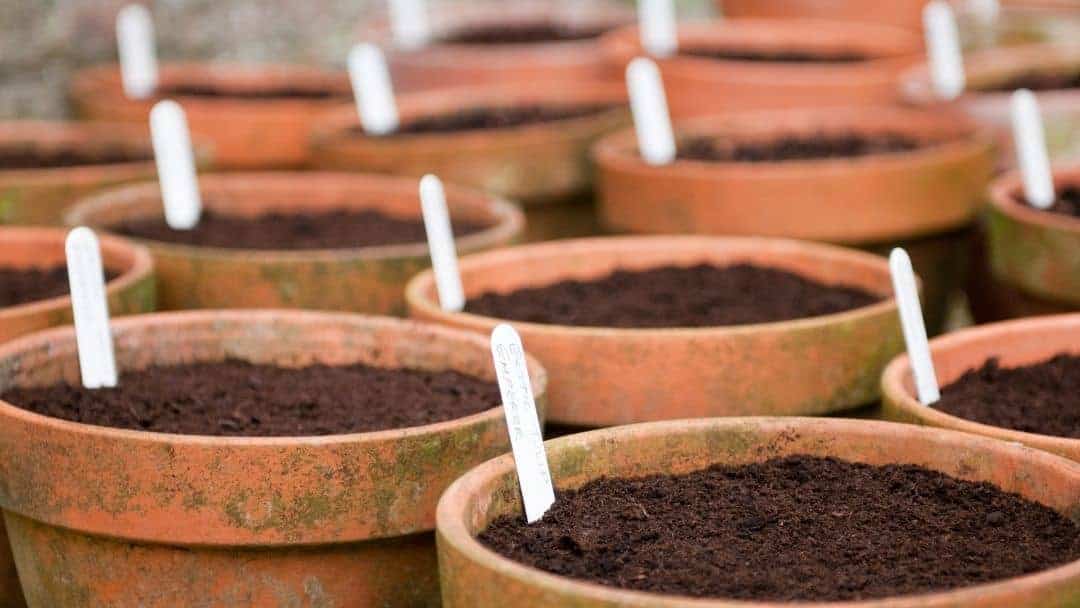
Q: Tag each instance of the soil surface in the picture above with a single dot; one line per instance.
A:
(1043, 398)
(796, 147)
(239, 399)
(1067, 203)
(254, 94)
(486, 118)
(1038, 81)
(524, 33)
(339, 229)
(672, 296)
(780, 56)
(25, 285)
(792, 529)
(36, 156)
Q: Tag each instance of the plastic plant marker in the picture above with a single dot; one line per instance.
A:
(911, 320)
(440, 238)
(175, 165)
(1031, 150)
(373, 90)
(526, 440)
(658, 26)
(943, 48)
(409, 23)
(138, 57)
(986, 11)
(86, 277)
(648, 103)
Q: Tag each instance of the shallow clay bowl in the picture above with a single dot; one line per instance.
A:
(362, 279)
(604, 376)
(473, 575)
(1015, 343)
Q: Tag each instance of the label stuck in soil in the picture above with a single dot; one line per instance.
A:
(176, 165)
(440, 236)
(137, 51)
(906, 290)
(652, 120)
(90, 309)
(659, 27)
(1031, 150)
(943, 50)
(373, 90)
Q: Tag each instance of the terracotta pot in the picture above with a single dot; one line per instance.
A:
(607, 376)
(1015, 343)
(473, 575)
(39, 196)
(914, 198)
(901, 13)
(560, 64)
(365, 279)
(246, 133)
(131, 292)
(106, 517)
(699, 86)
(1060, 108)
(533, 164)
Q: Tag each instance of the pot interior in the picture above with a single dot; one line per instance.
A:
(34, 146)
(44, 248)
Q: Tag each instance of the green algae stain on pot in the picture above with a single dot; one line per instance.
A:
(9, 202)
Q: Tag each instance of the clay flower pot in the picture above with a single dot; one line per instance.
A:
(39, 195)
(1015, 343)
(991, 68)
(532, 164)
(131, 292)
(921, 199)
(473, 575)
(902, 13)
(608, 376)
(100, 516)
(365, 279)
(246, 131)
(699, 86)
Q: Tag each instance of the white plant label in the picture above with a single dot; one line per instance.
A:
(986, 11)
(658, 26)
(86, 277)
(648, 103)
(943, 48)
(526, 440)
(911, 320)
(175, 165)
(440, 238)
(1030, 140)
(138, 56)
(373, 90)
(409, 23)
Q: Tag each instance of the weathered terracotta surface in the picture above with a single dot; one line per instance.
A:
(39, 196)
(1015, 343)
(1060, 109)
(108, 517)
(243, 133)
(699, 86)
(132, 292)
(606, 376)
(532, 164)
(369, 279)
(472, 575)
(902, 13)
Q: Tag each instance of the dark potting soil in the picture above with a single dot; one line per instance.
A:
(672, 296)
(796, 147)
(331, 230)
(782, 56)
(793, 529)
(254, 94)
(524, 33)
(1043, 398)
(24, 285)
(1038, 81)
(240, 399)
(1067, 203)
(35, 156)
(484, 118)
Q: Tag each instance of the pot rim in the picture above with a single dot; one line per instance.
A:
(509, 220)
(176, 320)
(419, 289)
(452, 530)
(1004, 193)
(894, 383)
(13, 131)
(142, 265)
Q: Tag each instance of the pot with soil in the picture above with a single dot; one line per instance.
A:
(1015, 381)
(34, 280)
(328, 241)
(245, 458)
(900, 13)
(1051, 71)
(650, 328)
(769, 512)
(754, 64)
(45, 166)
(873, 178)
(1019, 22)
(254, 117)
